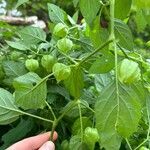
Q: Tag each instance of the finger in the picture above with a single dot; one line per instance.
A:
(32, 143)
(48, 146)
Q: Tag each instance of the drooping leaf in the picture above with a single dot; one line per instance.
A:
(30, 91)
(124, 35)
(56, 14)
(21, 130)
(19, 45)
(122, 8)
(20, 2)
(14, 69)
(32, 35)
(89, 9)
(74, 82)
(103, 64)
(114, 112)
(8, 110)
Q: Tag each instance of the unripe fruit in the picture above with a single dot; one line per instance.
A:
(143, 148)
(15, 55)
(32, 64)
(91, 134)
(65, 145)
(60, 30)
(47, 62)
(129, 72)
(64, 45)
(61, 71)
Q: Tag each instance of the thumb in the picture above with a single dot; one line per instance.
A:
(49, 145)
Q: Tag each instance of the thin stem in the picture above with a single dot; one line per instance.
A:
(94, 52)
(81, 122)
(148, 115)
(71, 59)
(51, 110)
(87, 107)
(112, 36)
(128, 144)
(141, 144)
(28, 114)
(37, 117)
(78, 40)
(44, 79)
(55, 123)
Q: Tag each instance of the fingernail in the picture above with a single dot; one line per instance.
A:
(49, 146)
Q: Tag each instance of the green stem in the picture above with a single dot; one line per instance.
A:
(112, 36)
(55, 122)
(81, 122)
(78, 40)
(128, 144)
(28, 114)
(37, 117)
(94, 52)
(51, 110)
(141, 144)
(71, 59)
(44, 79)
(87, 107)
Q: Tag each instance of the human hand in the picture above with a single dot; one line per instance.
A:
(39, 142)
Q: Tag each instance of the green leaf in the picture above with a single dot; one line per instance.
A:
(17, 45)
(141, 4)
(122, 8)
(102, 80)
(122, 116)
(103, 64)
(142, 20)
(98, 35)
(32, 35)
(89, 9)
(14, 69)
(21, 130)
(30, 91)
(8, 110)
(56, 14)
(76, 144)
(20, 2)
(124, 35)
(75, 83)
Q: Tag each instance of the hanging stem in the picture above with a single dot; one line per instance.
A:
(114, 46)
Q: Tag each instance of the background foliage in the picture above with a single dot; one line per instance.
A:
(77, 91)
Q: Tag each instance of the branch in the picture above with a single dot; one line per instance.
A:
(32, 20)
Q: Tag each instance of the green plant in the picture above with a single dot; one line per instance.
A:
(97, 93)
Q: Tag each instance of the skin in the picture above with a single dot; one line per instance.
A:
(39, 142)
